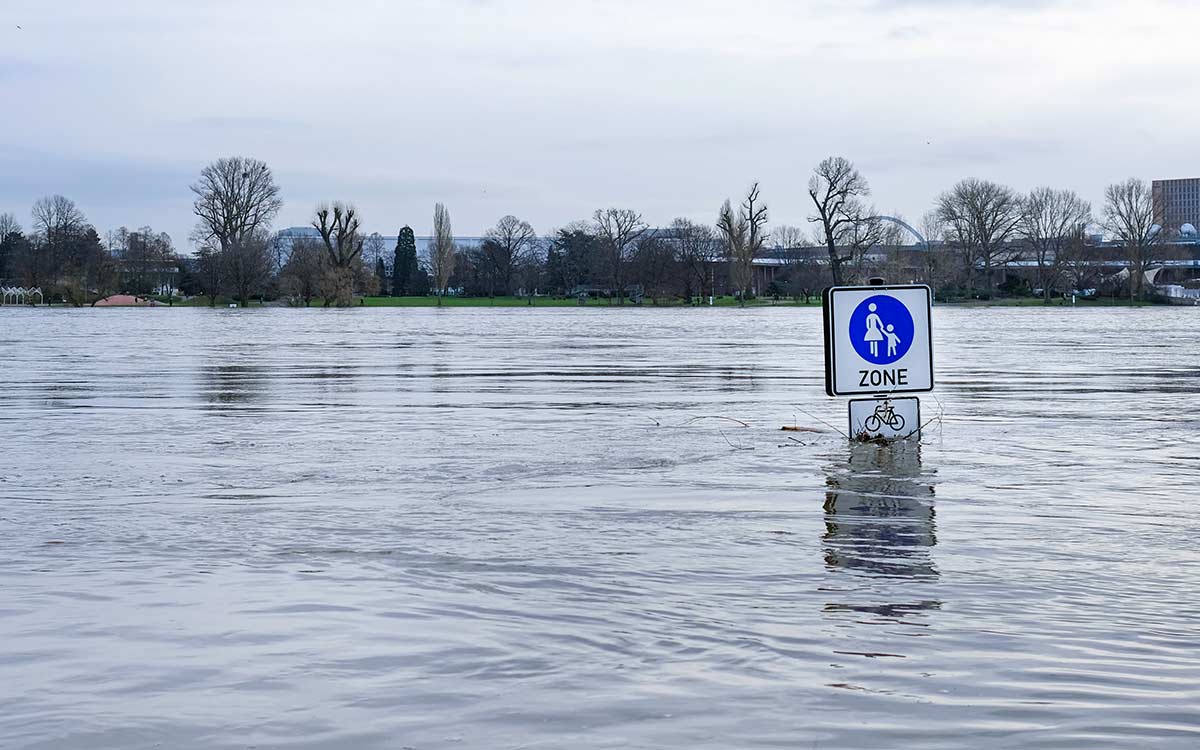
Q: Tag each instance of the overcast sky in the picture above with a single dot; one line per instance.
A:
(551, 109)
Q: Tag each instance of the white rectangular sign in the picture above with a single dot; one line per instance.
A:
(886, 418)
(878, 340)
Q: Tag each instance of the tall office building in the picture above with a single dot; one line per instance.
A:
(1176, 203)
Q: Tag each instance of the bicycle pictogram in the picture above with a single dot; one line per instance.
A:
(884, 415)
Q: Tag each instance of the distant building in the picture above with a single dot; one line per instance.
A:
(1177, 205)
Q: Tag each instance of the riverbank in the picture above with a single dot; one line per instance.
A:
(567, 302)
(505, 302)
(1036, 302)
(516, 302)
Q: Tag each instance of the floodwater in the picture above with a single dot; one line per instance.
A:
(517, 528)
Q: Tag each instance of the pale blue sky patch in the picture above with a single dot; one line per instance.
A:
(550, 109)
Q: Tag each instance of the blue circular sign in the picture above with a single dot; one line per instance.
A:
(881, 329)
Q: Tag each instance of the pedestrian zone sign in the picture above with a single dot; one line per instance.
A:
(878, 340)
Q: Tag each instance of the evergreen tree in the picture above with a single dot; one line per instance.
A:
(9, 242)
(16, 252)
(405, 268)
(381, 274)
(84, 267)
(570, 259)
(421, 283)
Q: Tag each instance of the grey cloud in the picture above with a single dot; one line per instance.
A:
(972, 4)
(551, 109)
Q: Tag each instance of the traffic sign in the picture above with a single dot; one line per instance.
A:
(878, 340)
(886, 418)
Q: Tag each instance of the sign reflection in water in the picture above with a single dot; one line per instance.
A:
(880, 524)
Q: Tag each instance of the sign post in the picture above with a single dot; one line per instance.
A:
(879, 342)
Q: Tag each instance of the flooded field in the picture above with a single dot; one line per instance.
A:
(415, 528)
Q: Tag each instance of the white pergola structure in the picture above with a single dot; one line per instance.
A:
(19, 295)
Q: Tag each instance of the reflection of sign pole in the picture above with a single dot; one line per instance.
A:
(879, 342)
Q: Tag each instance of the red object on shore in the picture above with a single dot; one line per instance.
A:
(126, 300)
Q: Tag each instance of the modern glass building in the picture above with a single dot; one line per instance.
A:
(1177, 205)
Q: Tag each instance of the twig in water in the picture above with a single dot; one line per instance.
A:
(822, 421)
(937, 418)
(728, 419)
(736, 447)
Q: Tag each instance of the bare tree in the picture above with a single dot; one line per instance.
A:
(698, 251)
(932, 227)
(338, 226)
(508, 248)
(981, 218)
(1078, 262)
(303, 276)
(84, 268)
(1129, 218)
(744, 238)
(735, 231)
(787, 237)
(806, 276)
(1051, 220)
(937, 266)
(58, 232)
(442, 250)
(800, 269)
(859, 239)
(618, 230)
(8, 225)
(57, 218)
(209, 272)
(655, 264)
(236, 198)
(146, 258)
(845, 224)
(533, 266)
(374, 248)
(374, 254)
(58, 221)
(754, 212)
(246, 266)
(168, 266)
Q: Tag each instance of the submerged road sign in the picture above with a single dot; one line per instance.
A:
(878, 339)
(886, 418)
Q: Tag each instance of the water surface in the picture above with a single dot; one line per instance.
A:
(508, 529)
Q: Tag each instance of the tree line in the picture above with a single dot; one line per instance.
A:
(974, 230)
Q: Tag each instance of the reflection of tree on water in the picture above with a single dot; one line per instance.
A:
(879, 523)
(233, 385)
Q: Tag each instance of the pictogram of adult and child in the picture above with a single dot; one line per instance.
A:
(877, 332)
(881, 329)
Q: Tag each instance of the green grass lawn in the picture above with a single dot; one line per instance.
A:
(467, 302)
(1038, 302)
